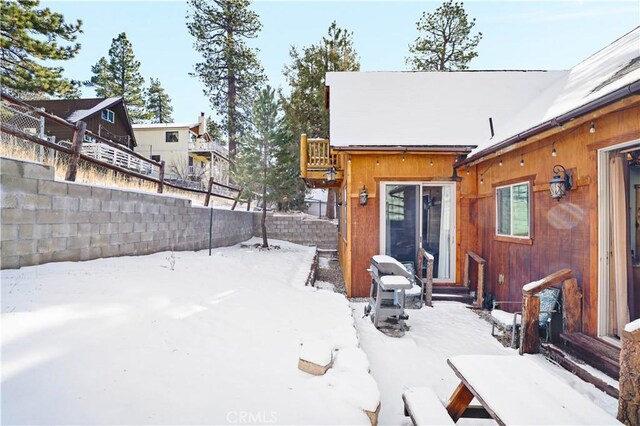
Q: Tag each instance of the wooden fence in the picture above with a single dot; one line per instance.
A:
(103, 152)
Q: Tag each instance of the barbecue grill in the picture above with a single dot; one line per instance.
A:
(389, 280)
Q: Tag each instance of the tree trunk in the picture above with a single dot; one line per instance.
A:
(265, 243)
(331, 203)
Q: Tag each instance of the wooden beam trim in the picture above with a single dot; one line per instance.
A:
(548, 281)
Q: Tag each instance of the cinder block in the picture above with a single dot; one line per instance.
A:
(108, 228)
(117, 217)
(89, 204)
(99, 217)
(51, 245)
(18, 185)
(110, 251)
(64, 230)
(37, 171)
(69, 204)
(90, 253)
(8, 232)
(18, 247)
(100, 193)
(47, 187)
(9, 262)
(17, 216)
(10, 167)
(99, 240)
(66, 256)
(8, 201)
(34, 201)
(78, 242)
(124, 228)
(25, 232)
(80, 191)
(88, 229)
(110, 206)
(139, 227)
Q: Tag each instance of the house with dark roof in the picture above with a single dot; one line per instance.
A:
(107, 117)
(533, 171)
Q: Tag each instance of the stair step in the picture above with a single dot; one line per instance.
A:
(446, 297)
(595, 352)
(450, 289)
(559, 355)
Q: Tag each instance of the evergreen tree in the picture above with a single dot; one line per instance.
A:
(28, 36)
(119, 75)
(158, 103)
(213, 128)
(230, 69)
(258, 152)
(305, 106)
(445, 43)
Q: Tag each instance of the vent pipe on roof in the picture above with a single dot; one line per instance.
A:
(491, 126)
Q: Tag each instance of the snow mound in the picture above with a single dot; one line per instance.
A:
(356, 388)
(351, 359)
(316, 351)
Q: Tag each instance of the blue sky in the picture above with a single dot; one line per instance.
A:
(516, 35)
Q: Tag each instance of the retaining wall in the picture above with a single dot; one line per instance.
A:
(44, 220)
(299, 229)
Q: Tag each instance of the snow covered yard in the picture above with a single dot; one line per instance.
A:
(419, 358)
(209, 340)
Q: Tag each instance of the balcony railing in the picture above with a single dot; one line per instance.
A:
(208, 146)
(316, 158)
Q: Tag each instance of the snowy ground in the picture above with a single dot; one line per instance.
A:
(216, 340)
(419, 358)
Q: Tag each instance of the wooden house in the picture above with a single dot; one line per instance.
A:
(462, 161)
(107, 117)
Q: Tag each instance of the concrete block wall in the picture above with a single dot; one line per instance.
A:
(298, 229)
(44, 220)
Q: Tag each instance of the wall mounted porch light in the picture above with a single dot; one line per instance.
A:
(331, 174)
(559, 186)
(364, 197)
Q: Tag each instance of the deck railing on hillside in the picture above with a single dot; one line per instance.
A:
(101, 152)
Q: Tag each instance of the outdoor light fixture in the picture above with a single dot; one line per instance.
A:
(592, 127)
(553, 151)
(430, 162)
(467, 170)
(377, 162)
(481, 179)
(559, 186)
(331, 174)
(500, 163)
(363, 196)
(521, 160)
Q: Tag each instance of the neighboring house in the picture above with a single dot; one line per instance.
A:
(106, 117)
(186, 148)
(463, 161)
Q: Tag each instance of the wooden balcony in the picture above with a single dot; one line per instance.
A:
(316, 159)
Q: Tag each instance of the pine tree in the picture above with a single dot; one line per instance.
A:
(305, 106)
(28, 36)
(445, 43)
(230, 70)
(257, 159)
(158, 103)
(120, 76)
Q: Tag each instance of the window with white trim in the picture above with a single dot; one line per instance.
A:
(513, 210)
(108, 115)
(171, 137)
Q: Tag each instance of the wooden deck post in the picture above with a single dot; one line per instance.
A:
(303, 155)
(529, 337)
(78, 138)
(427, 281)
(208, 196)
(629, 400)
(235, 202)
(465, 275)
(161, 177)
(479, 293)
(572, 306)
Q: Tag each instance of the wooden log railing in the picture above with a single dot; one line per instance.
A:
(427, 281)
(480, 262)
(629, 400)
(316, 154)
(529, 337)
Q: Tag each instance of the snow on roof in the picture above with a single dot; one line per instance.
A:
(606, 71)
(147, 126)
(427, 108)
(453, 108)
(83, 113)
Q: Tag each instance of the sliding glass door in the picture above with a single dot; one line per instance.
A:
(418, 214)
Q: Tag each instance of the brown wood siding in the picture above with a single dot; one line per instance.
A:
(364, 221)
(565, 233)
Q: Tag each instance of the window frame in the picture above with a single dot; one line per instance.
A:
(166, 134)
(510, 236)
(106, 113)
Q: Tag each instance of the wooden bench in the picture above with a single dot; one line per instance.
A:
(424, 407)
